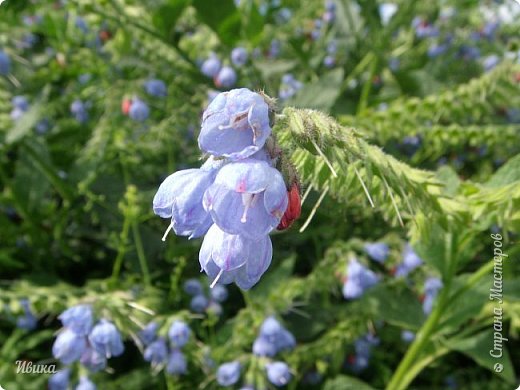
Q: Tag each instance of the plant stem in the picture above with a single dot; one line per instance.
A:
(143, 263)
(365, 92)
(121, 250)
(406, 371)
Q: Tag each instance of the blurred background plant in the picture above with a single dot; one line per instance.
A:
(101, 100)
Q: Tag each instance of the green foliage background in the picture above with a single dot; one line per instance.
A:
(77, 225)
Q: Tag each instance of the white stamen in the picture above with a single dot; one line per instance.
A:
(170, 226)
(248, 200)
(216, 279)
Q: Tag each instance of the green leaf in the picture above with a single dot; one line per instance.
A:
(254, 24)
(165, 17)
(507, 174)
(321, 94)
(477, 347)
(433, 250)
(25, 124)
(269, 69)
(449, 178)
(222, 17)
(397, 305)
(343, 382)
(468, 305)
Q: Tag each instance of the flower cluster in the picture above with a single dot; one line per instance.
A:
(28, 321)
(156, 349)
(156, 88)
(289, 86)
(224, 76)
(330, 59)
(20, 107)
(79, 111)
(236, 198)
(410, 262)
(363, 347)
(432, 286)
(377, 251)
(358, 279)
(329, 16)
(80, 341)
(199, 302)
(272, 339)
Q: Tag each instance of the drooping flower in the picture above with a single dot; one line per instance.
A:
(263, 347)
(378, 251)
(85, 384)
(228, 373)
(177, 364)
(106, 339)
(79, 111)
(149, 333)
(407, 336)
(278, 373)
(410, 262)
(226, 258)
(192, 287)
(156, 353)
(247, 198)
(199, 303)
(432, 286)
(28, 321)
(359, 278)
(211, 66)
(69, 346)
(77, 318)
(59, 380)
(155, 88)
(93, 360)
(179, 197)
(139, 110)
(20, 107)
(219, 293)
(239, 56)
(235, 124)
(179, 334)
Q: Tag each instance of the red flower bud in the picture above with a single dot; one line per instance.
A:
(125, 105)
(105, 35)
(294, 208)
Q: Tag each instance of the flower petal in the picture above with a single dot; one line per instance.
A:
(235, 124)
(228, 210)
(275, 198)
(249, 175)
(230, 251)
(168, 190)
(259, 261)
